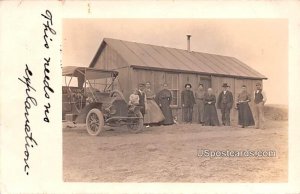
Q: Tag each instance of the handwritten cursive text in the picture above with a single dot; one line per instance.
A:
(48, 27)
(30, 142)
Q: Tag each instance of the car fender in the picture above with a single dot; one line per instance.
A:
(83, 113)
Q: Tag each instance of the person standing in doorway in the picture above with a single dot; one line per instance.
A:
(245, 116)
(164, 99)
(260, 99)
(187, 102)
(225, 102)
(199, 97)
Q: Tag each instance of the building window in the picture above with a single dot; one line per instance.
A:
(174, 97)
(172, 81)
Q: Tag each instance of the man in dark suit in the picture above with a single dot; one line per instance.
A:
(225, 102)
(187, 102)
(142, 98)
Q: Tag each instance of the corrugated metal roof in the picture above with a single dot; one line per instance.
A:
(148, 56)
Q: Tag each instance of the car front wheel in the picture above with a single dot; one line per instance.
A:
(94, 122)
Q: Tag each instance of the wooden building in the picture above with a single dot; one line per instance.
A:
(138, 63)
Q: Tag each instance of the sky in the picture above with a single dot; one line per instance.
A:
(260, 43)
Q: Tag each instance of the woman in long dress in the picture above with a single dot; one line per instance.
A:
(244, 111)
(210, 111)
(153, 113)
(164, 99)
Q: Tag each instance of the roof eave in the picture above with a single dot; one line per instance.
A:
(195, 72)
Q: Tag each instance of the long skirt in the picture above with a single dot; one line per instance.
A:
(167, 111)
(210, 115)
(200, 110)
(153, 113)
(245, 115)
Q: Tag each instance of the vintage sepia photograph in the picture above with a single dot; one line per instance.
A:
(149, 97)
(175, 100)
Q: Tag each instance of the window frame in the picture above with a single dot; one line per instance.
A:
(174, 88)
(177, 98)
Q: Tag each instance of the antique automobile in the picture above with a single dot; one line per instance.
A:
(89, 96)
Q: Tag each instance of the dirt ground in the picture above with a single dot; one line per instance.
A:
(170, 154)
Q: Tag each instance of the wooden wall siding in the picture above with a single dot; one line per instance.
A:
(156, 78)
(205, 80)
(109, 59)
(185, 78)
(159, 79)
(122, 83)
(172, 79)
(133, 78)
(217, 83)
(142, 76)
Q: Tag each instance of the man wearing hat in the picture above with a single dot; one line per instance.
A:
(260, 99)
(225, 102)
(187, 102)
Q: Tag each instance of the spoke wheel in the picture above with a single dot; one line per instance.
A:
(94, 122)
(136, 125)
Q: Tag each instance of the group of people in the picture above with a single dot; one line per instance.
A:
(156, 107)
(207, 105)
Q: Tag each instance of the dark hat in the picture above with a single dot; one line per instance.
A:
(243, 86)
(258, 84)
(225, 85)
(200, 84)
(188, 85)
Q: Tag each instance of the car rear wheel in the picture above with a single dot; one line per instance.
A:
(94, 122)
(136, 124)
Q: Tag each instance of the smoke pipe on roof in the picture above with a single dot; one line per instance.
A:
(188, 42)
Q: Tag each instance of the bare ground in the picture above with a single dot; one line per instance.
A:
(169, 154)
